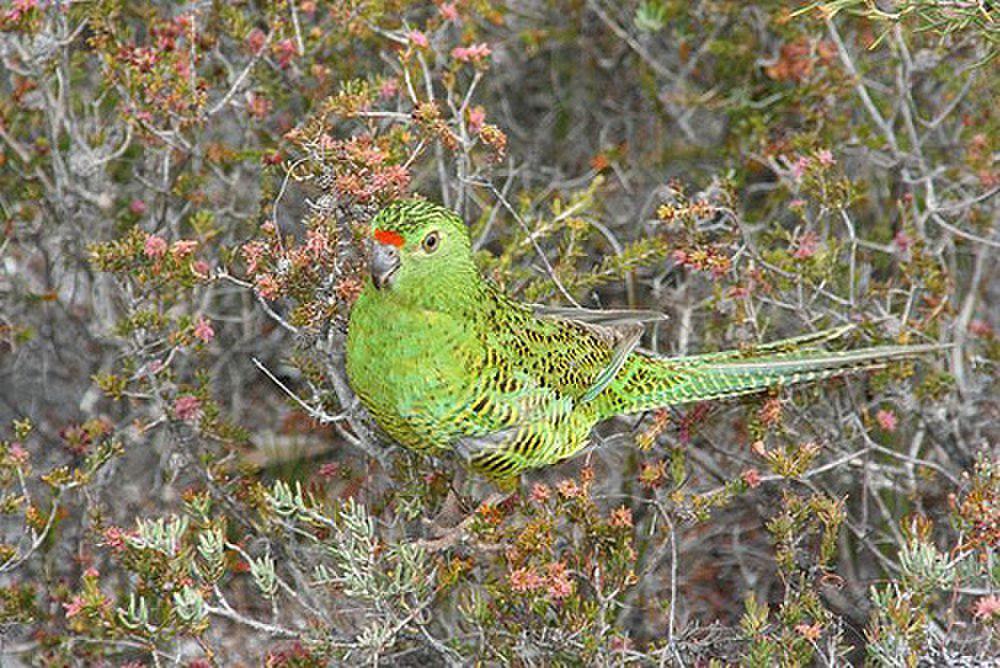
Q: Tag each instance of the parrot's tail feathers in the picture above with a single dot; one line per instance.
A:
(651, 382)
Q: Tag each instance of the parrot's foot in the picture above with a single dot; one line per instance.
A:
(448, 528)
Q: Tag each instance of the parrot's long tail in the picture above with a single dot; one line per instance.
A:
(646, 381)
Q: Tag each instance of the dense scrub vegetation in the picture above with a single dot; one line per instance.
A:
(186, 478)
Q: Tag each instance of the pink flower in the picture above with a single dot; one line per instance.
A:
(806, 246)
(886, 419)
(751, 477)
(797, 203)
(799, 167)
(540, 493)
(568, 489)
(187, 408)
(559, 583)
(980, 328)
(525, 580)
(809, 631)
(114, 537)
(137, 206)
(258, 106)
(19, 8)
(285, 51)
(181, 249)
(91, 573)
(267, 286)
(472, 53)
(477, 116)
(448, 11)
(203, 330)
(825, 157)
(201, 268)
(183, 67)
(621, 518)
(388, 89)
(987, 607)
(418, 39)
(155, 246)
(316, 244)
(902, 241)
(18, 453)
(621, 643)
(74, 607)
(329, 470)
(253, 251)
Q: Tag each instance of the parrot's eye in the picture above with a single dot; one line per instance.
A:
(431, 242)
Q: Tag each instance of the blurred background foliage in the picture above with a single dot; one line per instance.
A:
(186, 478)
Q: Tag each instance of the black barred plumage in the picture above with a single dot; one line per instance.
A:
(446, 362)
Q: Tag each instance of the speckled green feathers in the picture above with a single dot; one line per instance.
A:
(447, 363)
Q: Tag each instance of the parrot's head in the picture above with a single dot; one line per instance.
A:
(418, 248)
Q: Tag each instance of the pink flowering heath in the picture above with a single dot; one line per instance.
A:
(886, 419)
(474, 53)
(559, 585)
(477, 116)
(183, 248)
(285, 51)
(114, 537)
(806, 246)
(568, 489)
(267, 286)
(187, 408)
(825, 157)
(203, 330)
(74, 607)
(389, 89)
(155, 246)
(981, 329)
(621, 518)
(540, 493)
(18, 453)
(256, 40)
(902, 241)
(799, 167)
(525, 580)
(418, 39)
(987, 607)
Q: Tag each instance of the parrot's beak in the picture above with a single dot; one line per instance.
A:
(383, 263)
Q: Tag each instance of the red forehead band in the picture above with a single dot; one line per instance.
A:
(389, 238)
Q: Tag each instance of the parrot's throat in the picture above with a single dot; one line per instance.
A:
(453, 293)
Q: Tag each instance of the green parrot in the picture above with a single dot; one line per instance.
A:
(446, 362)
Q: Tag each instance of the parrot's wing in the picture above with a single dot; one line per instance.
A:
(628, 339)
(620, 329)
(600, 317)
(525, 439)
